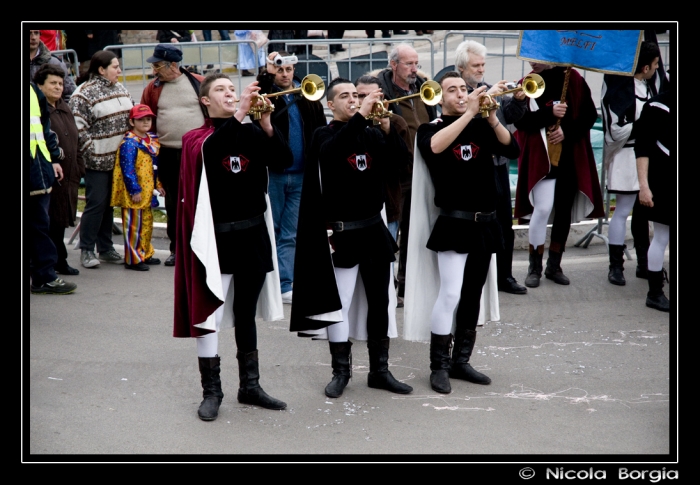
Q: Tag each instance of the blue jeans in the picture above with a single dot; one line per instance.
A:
(285, 194)
(223, 33)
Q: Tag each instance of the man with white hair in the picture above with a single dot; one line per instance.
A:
(402, 78)
(470, 61)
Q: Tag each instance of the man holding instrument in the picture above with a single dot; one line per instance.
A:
(470, 61)
(561, 118)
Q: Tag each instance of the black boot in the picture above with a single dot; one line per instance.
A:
(250, 391)
(553, 270)
(655, 297)
(440, 363)
(379, 376)
(341, 361)
(462, 351)
(209, 369)
(642, 271)
(534, 271)
(615, 275)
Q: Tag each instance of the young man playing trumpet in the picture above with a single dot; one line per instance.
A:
(458, 150)
(344, 192)
(224, 241)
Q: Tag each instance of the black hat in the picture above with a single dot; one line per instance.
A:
(165, 52)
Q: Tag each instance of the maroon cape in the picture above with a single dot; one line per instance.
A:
(533, 164)
(194, 301)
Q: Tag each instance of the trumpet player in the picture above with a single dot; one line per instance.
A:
(396, 179)
(457, 149)
(225, 242)
(470, 61)
(344, 192)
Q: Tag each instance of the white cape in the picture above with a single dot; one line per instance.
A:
(203, 243)
(422, 275)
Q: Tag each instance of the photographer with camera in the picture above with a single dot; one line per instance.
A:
(297, 118)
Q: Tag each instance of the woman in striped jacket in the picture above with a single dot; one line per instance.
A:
(101, 107)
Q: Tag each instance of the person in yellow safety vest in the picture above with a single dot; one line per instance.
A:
(43, 146)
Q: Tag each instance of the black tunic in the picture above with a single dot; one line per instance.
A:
(236, 157)
(655, 134)
(464, 179)
(354, 159)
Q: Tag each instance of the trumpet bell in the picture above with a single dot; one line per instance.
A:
(312, 87)
(430, 92)
(533, 85)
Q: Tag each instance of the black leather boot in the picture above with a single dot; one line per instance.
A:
(379, 376)
(655, 297)
(462, 351)
(553, 270)
(615, 275)
(534, 271)
(250, 391)
(642, 271)
(341, 361)
(209, 369)
(440, 362)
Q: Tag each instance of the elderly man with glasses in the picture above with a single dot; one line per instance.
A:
(402, 78)
(173, 96)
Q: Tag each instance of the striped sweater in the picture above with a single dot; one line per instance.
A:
(101, 112)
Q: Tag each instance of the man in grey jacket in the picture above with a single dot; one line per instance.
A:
(470, 61)
(39, 55)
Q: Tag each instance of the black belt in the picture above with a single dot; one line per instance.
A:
(238, 225)
(341, 226)
(470, 216)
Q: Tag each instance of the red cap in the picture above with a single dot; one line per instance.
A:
(140, 111)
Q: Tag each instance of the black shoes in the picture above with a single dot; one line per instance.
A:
(616, 268)
(249, 391)
(510, 285)
(137, 267)
(379, 376)
(553, 270)
(170, 261)
(152, 261)
(66, 269)
(210, 370)
(534, 271)
(341, 362)
(440, 363)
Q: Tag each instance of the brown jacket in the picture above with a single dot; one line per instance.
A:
(64, 195)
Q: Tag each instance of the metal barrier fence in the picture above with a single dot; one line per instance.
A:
(502, 48)
(220, 55)
(362, 56)
(70, 58)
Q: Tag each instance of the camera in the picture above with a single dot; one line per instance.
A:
(279, 60)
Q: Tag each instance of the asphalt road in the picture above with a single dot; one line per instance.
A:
(582, 372)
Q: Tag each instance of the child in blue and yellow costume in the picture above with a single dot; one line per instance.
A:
(135, 188)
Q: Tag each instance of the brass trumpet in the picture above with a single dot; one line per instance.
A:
(312, 88)
(430, 93)
(532, 86)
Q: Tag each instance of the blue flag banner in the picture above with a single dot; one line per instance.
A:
(606, 51)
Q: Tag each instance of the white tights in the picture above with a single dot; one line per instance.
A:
(208, 345)
(346, 279)
(543, 196)
(451, 266)
(657, 247)
(617, 228)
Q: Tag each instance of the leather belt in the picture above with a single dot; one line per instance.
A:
(470, 216)
(341, 226)
(238, 225)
